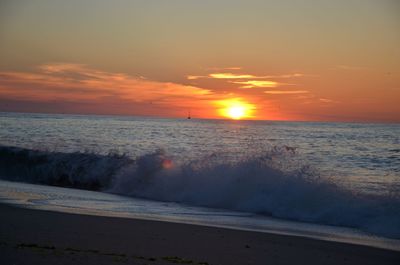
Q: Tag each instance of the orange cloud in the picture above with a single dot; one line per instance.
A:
(231, 76)
(194, 77)
(326, 100)
(257, 83)
(79, 81)
(228, 75)
(64, 82)
(282, 92)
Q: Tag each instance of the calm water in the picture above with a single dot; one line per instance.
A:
(338, 174)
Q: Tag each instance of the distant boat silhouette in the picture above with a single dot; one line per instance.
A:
(189, 115)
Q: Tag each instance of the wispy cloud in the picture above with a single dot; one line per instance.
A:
(221, 76)
(250, 76)
(229, 75)
(256, 83)
(288, 75)
(80, 82)
(326, 100)
(283, 92)
(194, 77)
(246, 80)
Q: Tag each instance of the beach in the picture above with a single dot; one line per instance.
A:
(44, 237)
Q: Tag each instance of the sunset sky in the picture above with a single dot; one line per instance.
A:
(273, 60)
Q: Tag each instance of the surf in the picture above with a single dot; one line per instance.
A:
(264, 183)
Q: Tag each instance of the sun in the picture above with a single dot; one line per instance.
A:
(236, 112)
(235, 109)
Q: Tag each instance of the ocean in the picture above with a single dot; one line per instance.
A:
(334, 181)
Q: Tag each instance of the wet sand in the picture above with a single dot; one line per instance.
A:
(44, 237)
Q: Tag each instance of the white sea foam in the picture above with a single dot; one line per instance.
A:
(259, 185)
(265, 183)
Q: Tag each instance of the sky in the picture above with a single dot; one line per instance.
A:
(267, 60)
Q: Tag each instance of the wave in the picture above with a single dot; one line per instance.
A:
(75, 170)
(265, 184)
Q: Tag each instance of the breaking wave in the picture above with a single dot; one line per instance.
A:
(75, 170)
(263, 184)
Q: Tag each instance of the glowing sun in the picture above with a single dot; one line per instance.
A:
(235, 109)
(236, 112)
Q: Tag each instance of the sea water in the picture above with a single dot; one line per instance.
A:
(338, 181)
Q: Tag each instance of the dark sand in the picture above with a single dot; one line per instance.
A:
(44, 237)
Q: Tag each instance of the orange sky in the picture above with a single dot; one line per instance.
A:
(274, 60)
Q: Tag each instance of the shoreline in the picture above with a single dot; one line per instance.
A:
(30, 236)
(30, 196)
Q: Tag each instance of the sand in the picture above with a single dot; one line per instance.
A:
(43, 237)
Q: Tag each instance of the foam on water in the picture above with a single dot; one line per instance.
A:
(106, 204)
(265, 183)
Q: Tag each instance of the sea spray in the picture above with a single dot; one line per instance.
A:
(259, 185)
(265, 183)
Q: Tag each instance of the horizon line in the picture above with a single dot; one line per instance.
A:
(198, 118)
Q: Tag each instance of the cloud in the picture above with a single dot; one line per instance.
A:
(221, 76)
(288, 75)
(326, 100)
(282, 92)
(249, 76)
(233, 68)
(229, 75)
(194, 77)
(247, 80)
(79, 83)
(257, 83)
